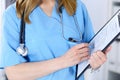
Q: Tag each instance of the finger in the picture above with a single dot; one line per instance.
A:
(108, 49)
(92, 62)
(97, 58)
(83, 55)
(83, 50)
(102, 56)
(82, 45)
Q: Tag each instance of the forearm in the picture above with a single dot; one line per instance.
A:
(32, 71)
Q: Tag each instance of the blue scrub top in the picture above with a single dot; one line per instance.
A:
(44, 37)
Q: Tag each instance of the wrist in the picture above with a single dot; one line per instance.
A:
(63, 62)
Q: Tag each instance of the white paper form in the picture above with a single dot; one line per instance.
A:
(102, 39)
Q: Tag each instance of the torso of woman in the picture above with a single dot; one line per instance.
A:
(44, 36)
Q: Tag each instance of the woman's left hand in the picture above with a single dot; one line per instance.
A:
(99, 58)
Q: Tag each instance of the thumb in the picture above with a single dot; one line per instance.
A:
(108, 49)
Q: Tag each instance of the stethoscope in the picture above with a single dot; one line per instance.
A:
(77, 26)
(23, 50)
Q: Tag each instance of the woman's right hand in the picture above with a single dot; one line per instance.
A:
(76, 54)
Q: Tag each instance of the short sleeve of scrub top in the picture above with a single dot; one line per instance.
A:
(44, 37)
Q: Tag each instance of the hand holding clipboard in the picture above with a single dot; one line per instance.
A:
(102, 39)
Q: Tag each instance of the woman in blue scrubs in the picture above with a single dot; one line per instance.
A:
(52, 53)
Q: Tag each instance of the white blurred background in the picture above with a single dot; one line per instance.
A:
(100, 12)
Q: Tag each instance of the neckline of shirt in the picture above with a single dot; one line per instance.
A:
(54, 15)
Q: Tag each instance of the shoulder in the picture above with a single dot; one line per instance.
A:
(11, 8)
(81, 6)
(10, 12)
(81, 9)
(10, 19)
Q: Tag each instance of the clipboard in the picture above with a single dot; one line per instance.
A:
(102, 39)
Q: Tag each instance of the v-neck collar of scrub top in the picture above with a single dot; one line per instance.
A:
(54, 15)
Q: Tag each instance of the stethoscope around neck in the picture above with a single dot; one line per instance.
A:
(23, 50)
